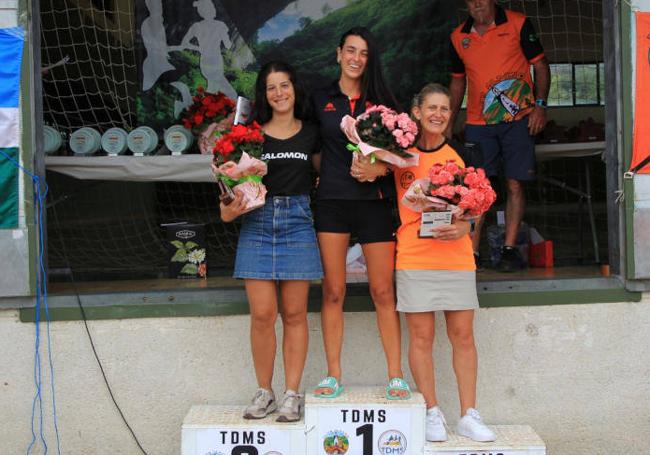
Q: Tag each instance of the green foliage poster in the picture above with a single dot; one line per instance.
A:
(220, 44)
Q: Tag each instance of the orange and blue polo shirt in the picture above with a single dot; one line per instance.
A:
(497, 67)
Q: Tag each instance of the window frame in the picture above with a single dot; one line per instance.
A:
(599, 82)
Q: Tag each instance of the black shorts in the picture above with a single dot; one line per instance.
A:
(368, 221)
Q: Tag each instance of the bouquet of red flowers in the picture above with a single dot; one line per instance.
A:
(208, 116)
(383, 134)
(465, 191)
(236, 162)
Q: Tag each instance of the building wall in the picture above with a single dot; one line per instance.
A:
(8, 13)
(577, 373)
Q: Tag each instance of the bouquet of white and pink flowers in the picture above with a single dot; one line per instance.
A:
(465, 191)
(383, 134)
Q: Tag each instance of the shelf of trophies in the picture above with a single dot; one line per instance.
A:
(145, 155)
(134, 156)
(359, 422)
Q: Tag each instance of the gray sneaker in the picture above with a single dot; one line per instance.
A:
(262, 405)
(291, 407)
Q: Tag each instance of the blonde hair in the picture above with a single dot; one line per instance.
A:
(430, 88)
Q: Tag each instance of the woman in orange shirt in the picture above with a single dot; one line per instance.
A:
(438, 274)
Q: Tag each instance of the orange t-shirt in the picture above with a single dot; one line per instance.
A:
(413, 252)
(497, 67)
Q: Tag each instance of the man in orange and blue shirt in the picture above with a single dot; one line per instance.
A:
(491, 53)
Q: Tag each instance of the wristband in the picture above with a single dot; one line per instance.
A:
(541, 103)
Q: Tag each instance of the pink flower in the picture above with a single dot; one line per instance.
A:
(405, 123)
(446, 191)
(389, 120)
(472, 179)
(404, 142)
(451, 166)
(462, 190)
(469, 188)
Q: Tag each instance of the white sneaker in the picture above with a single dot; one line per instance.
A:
(471, 426)
(435, 426)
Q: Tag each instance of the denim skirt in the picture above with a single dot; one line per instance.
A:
(278, 242)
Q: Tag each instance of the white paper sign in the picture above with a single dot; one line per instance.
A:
(364, 431)
(231, 441)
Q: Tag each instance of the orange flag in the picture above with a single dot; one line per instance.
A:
(641, 148)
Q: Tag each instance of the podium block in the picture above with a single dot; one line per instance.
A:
(363, 422)
(221, 430)
(359, 422)
(511, 440)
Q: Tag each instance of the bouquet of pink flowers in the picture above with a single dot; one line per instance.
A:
(383, 134)
(465, 191)
(243, 144)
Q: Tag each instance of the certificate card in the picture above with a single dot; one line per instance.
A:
(431, 220)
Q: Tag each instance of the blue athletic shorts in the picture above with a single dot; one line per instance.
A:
(278, 242)
(507, 148)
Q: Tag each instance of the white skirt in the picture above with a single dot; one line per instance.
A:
(419, 291)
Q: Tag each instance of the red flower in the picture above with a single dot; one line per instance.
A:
(239, 131)
(225, 147)
(239, 139)
(207, 108)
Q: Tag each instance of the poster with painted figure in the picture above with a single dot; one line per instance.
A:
(220, 44)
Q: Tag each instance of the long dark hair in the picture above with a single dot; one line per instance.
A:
(263, 111)
(373, 86)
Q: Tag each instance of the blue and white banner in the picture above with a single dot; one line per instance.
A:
(11, 52)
